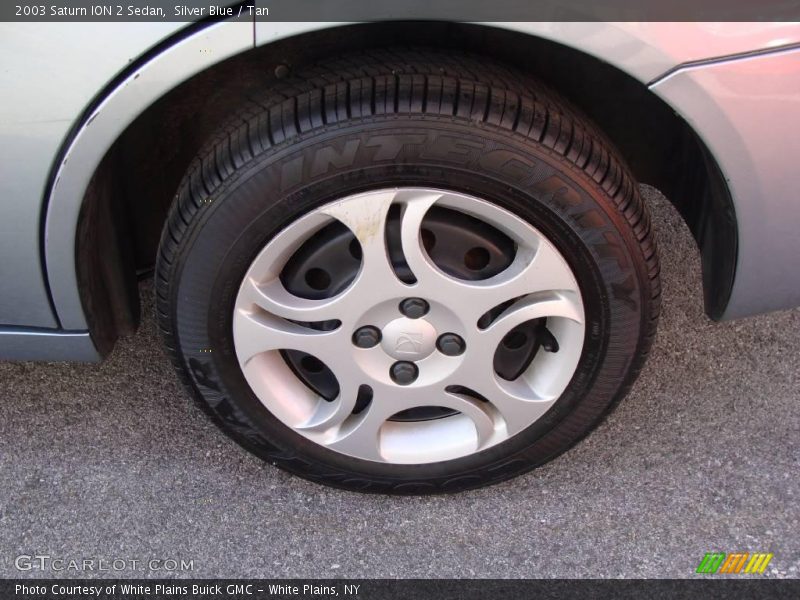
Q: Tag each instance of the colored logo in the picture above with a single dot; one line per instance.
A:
(736, 562)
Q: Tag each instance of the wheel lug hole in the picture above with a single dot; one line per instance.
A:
(414, 308)
(367, 336)
(403, 372)
(451, 344)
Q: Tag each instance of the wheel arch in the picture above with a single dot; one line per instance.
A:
(114, 184)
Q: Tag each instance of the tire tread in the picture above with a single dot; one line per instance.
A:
(413, 82)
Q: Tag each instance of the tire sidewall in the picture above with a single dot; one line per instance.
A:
(269, 192)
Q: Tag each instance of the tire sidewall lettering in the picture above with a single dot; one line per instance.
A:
(298, 177)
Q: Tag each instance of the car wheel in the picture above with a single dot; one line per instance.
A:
(408, 272)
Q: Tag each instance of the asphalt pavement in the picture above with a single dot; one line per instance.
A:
(114, 462)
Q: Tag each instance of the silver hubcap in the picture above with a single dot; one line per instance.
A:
(483, 408)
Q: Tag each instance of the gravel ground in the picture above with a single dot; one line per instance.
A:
(114, 461)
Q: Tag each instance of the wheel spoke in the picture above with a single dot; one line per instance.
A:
(414, 209)
(330, 415)
(260, 332)
(274, 298)
(536, 268)
(536, 306)
(257, 333)
(365, 216)
(360, 436)
(477, 411)
(531, 272)
(517, 403)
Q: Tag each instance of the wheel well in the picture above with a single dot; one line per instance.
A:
(135, 183)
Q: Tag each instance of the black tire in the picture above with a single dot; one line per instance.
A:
(407, 117)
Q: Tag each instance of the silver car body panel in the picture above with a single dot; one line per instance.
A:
(748, 113)
(35, 119)
(48, 345)
(61, 87)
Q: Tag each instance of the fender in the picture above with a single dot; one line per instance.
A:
(99, 131)
(754, 134)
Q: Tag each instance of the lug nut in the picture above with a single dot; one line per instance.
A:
(404, 372)
(367, 336)
(414, 308)
(451, 344)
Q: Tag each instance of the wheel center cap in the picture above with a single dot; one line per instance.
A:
(408, 339)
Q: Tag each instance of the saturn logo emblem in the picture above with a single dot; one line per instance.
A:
(408, 339)
(408, 343)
